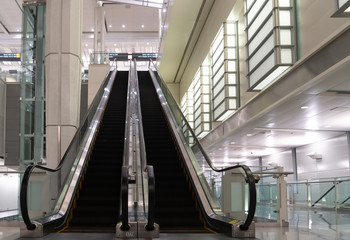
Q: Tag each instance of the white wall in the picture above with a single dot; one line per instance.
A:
(334, 162)
(9, 191)
(316, 25)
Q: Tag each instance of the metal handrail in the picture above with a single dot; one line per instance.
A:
(30, 168)
(250, 179)
(144, 166)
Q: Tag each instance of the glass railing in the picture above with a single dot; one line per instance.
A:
(99, 58)
(327, 192)
(242, 207)
(47, 194)
(10, 76)
(9, 182)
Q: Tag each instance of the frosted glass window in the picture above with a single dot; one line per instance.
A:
(197, 122)
(231, 53)
(218, 88)
(231, 65)
(261, 35)
(231, 78)
(218, 75)
(220, 97)
(232, 91)
(249, 3)
(190, 118)
(262, 69)
(205, 89)
(231, 40)
(206, 126)
(286, 55)
(218, 64)
(230, 28)
(232, 103)
(197, 104)
(218, 52)
(286, 36)
(206, 108)
(285, 18)
(206, 98)
(219, 110)
(284, 3)
(206, 117)
(261, 17)
(197, 94)
(263, 51)
(205, 79)
(254, 10)
(205, 70)
(218, 39)
(271, 78)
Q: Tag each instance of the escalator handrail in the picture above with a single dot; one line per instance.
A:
(145, 168)
(249, 175)
(124, 184)
(31, 167)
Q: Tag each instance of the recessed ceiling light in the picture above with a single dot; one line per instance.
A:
(148, 43)
(115, 44)
(232, 143)
(92, 29)
(164, 9)
(271, 124)
(327, 126)
(17, 30)
(123, 26)
(86, 45)
(142, 26)
(249, 135)
(304, 107)
(110, 25)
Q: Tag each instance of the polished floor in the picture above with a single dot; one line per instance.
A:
(304, 224)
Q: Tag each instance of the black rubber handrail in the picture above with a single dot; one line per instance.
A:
(151, 198)
(250, 179)
(124, 195)
(125, 168)
(30, 168)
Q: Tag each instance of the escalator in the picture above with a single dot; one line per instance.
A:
(97, 207)
(176, 208)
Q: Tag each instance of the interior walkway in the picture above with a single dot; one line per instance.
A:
(304, 224)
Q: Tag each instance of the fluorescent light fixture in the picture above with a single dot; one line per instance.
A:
(110, 25)
(304, 107)
(92, 29)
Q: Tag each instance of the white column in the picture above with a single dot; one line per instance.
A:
(63, 75)
(99, 25)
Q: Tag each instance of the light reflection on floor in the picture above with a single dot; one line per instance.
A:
(304, 224)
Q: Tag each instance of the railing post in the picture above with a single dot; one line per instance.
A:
(336, 200)
(308, 194)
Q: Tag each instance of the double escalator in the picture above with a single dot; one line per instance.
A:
(175, 203)
(94, 203)
(97, 207)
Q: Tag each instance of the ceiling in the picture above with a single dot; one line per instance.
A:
(131, 26)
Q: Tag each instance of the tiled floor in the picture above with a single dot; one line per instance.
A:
(304, 225)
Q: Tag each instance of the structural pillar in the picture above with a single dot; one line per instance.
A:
(63, 75)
